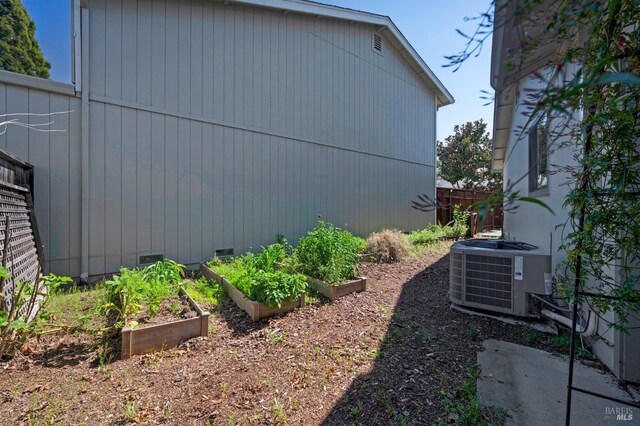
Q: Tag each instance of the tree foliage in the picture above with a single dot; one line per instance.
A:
(464, 158)
(19, 49)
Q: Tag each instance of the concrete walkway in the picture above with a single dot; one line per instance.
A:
(530, 385)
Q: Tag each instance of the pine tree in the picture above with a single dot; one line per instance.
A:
(19, 49)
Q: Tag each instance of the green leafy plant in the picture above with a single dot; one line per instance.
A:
(282, 240)
(132, 290)
(166, 271)
(532, 336)
(203, 290)
(19, 313)
(268, 257)
(426, 236)
(259, 278)
(329, 253)
(460, 221)
(361, 244)
(272, 288)
(465, 409)
(131, 409)
(455, 229)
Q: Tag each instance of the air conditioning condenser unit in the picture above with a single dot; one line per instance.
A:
(498, 275)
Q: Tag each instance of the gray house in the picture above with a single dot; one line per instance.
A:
(201, 125)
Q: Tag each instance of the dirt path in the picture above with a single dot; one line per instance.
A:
(386, 356)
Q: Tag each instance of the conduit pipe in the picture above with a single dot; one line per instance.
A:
(586, 330)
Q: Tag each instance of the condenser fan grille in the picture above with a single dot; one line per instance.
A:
(488, 280)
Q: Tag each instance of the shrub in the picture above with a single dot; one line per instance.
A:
(454, 231)
(328, 253)
(460, 222)
(388, 245)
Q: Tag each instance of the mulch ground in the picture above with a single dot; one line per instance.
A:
(385, 356)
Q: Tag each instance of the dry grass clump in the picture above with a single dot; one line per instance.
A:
(388, 245)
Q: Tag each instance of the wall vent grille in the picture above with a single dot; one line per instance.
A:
(488, 280)
(377, 43)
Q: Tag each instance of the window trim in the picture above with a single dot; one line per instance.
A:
(536, 189)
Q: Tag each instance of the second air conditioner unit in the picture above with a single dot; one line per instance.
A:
(498, 275)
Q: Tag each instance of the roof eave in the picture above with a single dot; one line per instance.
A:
(502, 118)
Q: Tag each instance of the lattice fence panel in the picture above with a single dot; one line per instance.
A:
(21, 257)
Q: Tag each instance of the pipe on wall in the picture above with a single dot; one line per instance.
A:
(585, 331)
(84, 165)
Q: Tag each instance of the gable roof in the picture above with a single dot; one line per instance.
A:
(403, 46)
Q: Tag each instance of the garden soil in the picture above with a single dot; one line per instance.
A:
(394, 354)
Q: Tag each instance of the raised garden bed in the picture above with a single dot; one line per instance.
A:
(140, 341)
(256, 310)
(336, 291)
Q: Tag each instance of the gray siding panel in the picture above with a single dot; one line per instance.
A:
(113, 187)
(97, 207)
(56, 158)
(129, 199)
(158, 183)
(216, 126)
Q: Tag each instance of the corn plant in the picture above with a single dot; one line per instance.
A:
(166, 271)
(133, 290)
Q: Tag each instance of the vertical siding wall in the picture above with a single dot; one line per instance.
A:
(216, 126)
(56, 158)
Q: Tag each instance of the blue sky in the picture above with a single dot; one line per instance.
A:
(429, 25)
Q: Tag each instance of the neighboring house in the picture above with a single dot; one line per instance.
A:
(199, 126)
(441, 183)
(523, 158)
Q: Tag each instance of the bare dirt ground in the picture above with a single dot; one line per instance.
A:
(389, 355)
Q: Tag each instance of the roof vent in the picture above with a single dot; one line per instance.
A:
(377, 43)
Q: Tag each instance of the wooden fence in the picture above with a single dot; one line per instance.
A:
(448, 198)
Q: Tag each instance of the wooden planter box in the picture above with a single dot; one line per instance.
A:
(337, 291)
(256, 310)
(140, 341)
